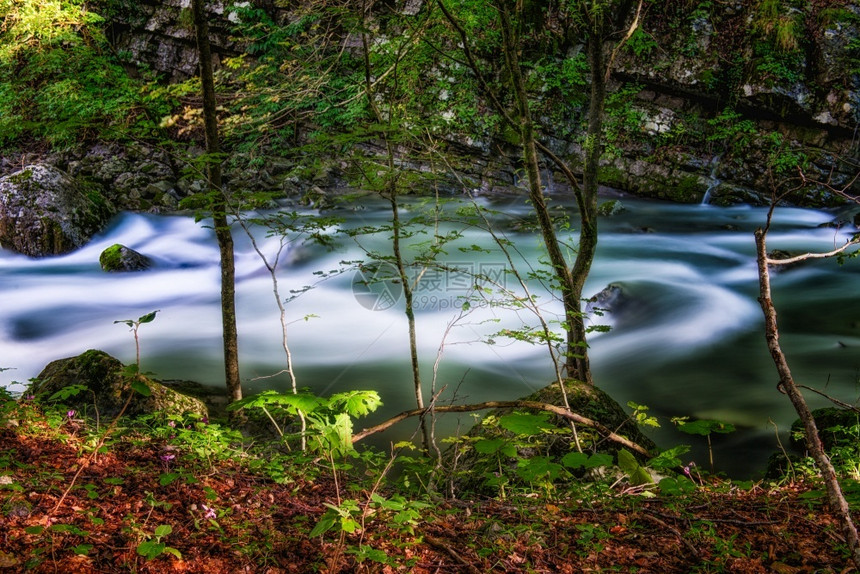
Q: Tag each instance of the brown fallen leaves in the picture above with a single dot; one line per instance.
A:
(224, 519)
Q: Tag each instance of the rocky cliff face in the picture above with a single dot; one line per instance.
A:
(712, 102)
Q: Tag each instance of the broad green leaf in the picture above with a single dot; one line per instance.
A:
(525, 424)
(598, 459)
(635, 473)
(173, 551)
(150, 549)
(141, 388)
(489, 445)
(324, 525)
(704, 427)
(148, 318)
(166, 478)
(163, 530)
(574, 459)
(348, 524)
(539, 468)
(356, 403)
(669, 458)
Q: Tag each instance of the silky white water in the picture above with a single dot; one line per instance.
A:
(686, 335)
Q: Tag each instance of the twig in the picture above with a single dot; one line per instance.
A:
(451, 552)
(831, 399)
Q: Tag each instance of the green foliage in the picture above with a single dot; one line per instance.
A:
(59, 80)
(730, 129)
(154, 547)
(623, 122)
(330, 419)
(641, 43)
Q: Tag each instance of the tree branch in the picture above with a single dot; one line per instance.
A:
(560, 411)
(854, 241)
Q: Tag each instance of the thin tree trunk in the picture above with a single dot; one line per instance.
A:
(835, 498)
(578, 366)
(219, 205)
(569, 293)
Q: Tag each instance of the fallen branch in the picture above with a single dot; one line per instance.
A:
(560, 411)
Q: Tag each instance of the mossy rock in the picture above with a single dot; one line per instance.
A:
(45, 211)
(589, 401)
(107, 387)
(594, 403)
(118, 257)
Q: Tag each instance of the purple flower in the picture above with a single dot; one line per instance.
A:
(29, 397)
(167, 457)
(210, 512)
(171, 424)
(205, 420)
(71, 413)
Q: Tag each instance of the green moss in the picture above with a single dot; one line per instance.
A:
(21, 177)
(688, 189)
(111, 258)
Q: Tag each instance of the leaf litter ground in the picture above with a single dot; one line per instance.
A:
(226, 519)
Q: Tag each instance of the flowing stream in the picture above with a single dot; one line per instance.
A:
(686, 336)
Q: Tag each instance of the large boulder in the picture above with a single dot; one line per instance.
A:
(44, 211)
(107, 387)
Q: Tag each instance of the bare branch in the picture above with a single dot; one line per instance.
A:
(560, 411)
(620, 44)
(806, 256)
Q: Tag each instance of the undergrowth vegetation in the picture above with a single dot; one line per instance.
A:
(165, 492)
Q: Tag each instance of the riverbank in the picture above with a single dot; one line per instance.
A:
(151, 503)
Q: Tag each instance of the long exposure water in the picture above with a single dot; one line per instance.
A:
(686, 336)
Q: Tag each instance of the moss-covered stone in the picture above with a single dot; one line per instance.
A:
(107, 387)
(594, 403)
(118, 257)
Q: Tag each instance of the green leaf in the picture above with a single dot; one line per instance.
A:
(176, 553)
(356, 403)
(539, 468)
(148, 318)
(166, 478)
(635, 473)
(574, 460)
(141, 388)
(348, 524)
(598, 459)
(150, 549)
(82, 549)
(324, 525)
(163, 530)
(669, 458)
(525, 424)
(489, 445)
(704, 427)
(365, 552)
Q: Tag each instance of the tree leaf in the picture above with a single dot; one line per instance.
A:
(525, 424)
(574, 459)
(489, 445)
(141, 388)
(148, 318)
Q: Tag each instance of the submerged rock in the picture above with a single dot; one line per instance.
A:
(44, 211)
(121, 258)
(106, 387)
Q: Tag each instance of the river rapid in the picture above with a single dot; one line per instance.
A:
(686, 330)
